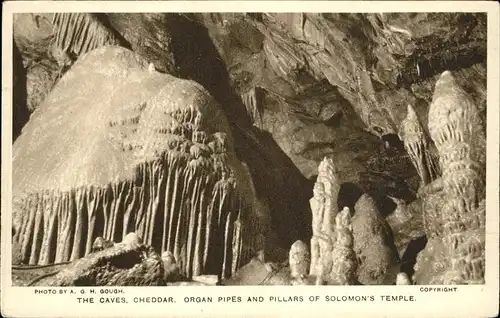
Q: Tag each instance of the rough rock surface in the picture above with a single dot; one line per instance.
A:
(33, 35)
(129, 263)
(325, 71)
(406, 223)
(455, 125)
(258, 272)
(373, 242)
(141, 138)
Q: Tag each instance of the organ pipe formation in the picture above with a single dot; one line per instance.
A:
(185, 193)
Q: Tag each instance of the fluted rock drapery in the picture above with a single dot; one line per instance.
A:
(457, 241)
(148, 153)
(456, 128)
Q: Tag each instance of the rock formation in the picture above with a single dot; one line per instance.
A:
(171, 269)
(406, 223)
(455, 126)
(373, 242)
(333, 261)
(129, 263)
(153, 155)
(324, 211)
(300, 261)
(344, 267)
(101, 243)
(416, 144)
(402, 279)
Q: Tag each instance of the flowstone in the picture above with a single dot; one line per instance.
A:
(148, 153)
(455, 126)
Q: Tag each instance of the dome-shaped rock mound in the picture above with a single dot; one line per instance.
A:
(117, 147)
(373, 244)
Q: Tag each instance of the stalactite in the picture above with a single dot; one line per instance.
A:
(456, 128)
(79, 33)
(416, 144)
(254, 104)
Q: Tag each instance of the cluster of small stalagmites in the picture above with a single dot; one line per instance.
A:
(344, 250)
(336, 264)
(332, 259)
(456, 129)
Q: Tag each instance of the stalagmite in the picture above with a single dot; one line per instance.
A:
(344, 264)
(299, 260)
(324, 209)
(456, 128)
(402, 279)
(156, 158)
(416, 144)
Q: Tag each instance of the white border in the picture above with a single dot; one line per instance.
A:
(468, 301)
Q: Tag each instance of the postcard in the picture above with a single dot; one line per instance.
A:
(250, 159)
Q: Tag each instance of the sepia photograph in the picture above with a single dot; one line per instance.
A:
(250, 148)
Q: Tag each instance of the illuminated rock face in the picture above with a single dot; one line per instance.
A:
(117, 149)
(324, 210)
(345, 264)
(455, 126)
(333, 261)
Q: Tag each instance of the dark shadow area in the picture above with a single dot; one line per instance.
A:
(277, 180)
(385, 205)
(127, 260)
(197, 58)
(410, 255)
(462, 48)
(393, 141)
(20, 112)
(349, 194)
